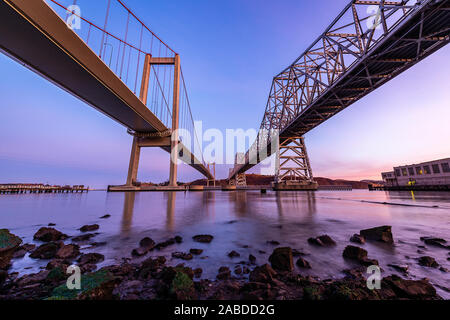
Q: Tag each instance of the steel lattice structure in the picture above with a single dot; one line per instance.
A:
(293, 161)
(368, 44)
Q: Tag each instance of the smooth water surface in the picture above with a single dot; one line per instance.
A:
(240, 219)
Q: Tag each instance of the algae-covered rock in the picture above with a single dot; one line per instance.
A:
(94, 286)
(8, 241)
(8, 244)
(182, 287)
(312, 292)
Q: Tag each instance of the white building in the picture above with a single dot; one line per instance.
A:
(431, 173)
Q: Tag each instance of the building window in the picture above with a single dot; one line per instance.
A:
(426, 169)
(445, 167)
(419, 171)
(411, 171)
(397, 172)
(404, 172)
(436, 168)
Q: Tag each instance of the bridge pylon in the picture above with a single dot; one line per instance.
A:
(293, 169)
(166, 140)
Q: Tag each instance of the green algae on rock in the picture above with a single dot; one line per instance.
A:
(98, 285)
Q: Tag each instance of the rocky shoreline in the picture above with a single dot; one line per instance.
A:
(154, 278)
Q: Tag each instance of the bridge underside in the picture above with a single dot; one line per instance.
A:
(33, 34)
(410, 41)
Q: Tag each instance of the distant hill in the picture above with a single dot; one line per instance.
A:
(340, 182)
(261, 180)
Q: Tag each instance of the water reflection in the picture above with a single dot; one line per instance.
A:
(171, 199)
(239, 199)
(243, 221)
(128, 209)
(304, 203)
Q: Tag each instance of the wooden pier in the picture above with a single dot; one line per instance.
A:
(40, 188)
(335, 188)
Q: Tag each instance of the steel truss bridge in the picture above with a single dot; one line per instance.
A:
(368, 44)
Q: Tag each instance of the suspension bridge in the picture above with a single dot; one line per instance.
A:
(368, 44)
(113, 62)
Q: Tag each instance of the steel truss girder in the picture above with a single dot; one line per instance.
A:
(345, 43)
(351, 59)
(293, 161)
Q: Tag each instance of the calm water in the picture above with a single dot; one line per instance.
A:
(238, 219)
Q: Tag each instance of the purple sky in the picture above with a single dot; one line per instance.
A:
(230, 51)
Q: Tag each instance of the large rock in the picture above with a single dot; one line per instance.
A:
(410, 289)
(49, 234)
(196, 251)
(224, 273)
(302, 263)
(358, 254)
(91, 227)
(263, 274)
(139, 252)
(150, 266)
(233, 254)
(437, 242)
(323, 241)
(281, 259)
(354, 253)
(203, 238)
(46, 251)
(182, 255)
(145, 245)
(91, 258)
(356, 238)
(428, 261)
(165, 244)
(8, 245)
(83, 237)
(58, 263)
(383, 234)
(70, 251)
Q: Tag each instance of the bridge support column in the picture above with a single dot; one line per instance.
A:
(293, 168)
(136, 149)
(175, 119)
(134, 162)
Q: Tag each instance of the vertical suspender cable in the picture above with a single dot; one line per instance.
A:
(126, 38)
(106, 23)
(139, 59)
